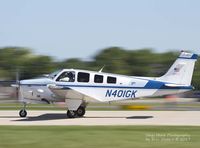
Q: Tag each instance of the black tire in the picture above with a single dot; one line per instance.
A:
(23, 113)
(71, 114)
(80, 111)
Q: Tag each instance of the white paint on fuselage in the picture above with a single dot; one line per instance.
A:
(126, 87)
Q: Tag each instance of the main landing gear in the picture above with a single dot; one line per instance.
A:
(80, 112)
(71, 113)
(23, 112)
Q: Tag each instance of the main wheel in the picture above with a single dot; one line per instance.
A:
(71, 114)
(80, 111)
(22, 113)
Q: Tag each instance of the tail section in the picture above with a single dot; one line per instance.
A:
(182, 70)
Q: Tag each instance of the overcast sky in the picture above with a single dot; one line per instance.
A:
(80, 28)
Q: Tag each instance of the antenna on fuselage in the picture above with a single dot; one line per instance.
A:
(102, 68)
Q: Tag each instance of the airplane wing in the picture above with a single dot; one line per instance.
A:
(67, 92)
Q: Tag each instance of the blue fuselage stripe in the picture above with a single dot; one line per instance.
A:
(124, 87)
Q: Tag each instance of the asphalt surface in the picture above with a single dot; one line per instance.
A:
(183, 118)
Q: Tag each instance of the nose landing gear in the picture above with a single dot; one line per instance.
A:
(23, 112)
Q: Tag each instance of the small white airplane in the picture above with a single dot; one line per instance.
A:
(78, 87)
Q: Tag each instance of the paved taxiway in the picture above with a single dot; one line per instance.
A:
(103, 118)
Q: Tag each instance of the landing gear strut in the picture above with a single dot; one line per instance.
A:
(23, 112)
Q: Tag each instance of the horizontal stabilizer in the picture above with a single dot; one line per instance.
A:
(175, 85)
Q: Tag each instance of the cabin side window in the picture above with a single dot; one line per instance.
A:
(67, 76)
(98, 78)
(112, 80)
(83, 77)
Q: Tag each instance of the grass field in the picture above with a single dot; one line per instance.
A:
(99, 136)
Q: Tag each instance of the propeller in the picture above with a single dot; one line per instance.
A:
(17, 85)
(17, 81)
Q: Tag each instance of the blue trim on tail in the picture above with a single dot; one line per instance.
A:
(194, 56)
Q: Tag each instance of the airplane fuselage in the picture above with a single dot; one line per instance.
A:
(99, 86)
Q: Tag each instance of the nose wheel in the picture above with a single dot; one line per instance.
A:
(23, 113)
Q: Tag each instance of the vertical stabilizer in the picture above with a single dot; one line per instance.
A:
(182, 70)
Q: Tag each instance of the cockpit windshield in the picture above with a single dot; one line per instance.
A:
(54, 74)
